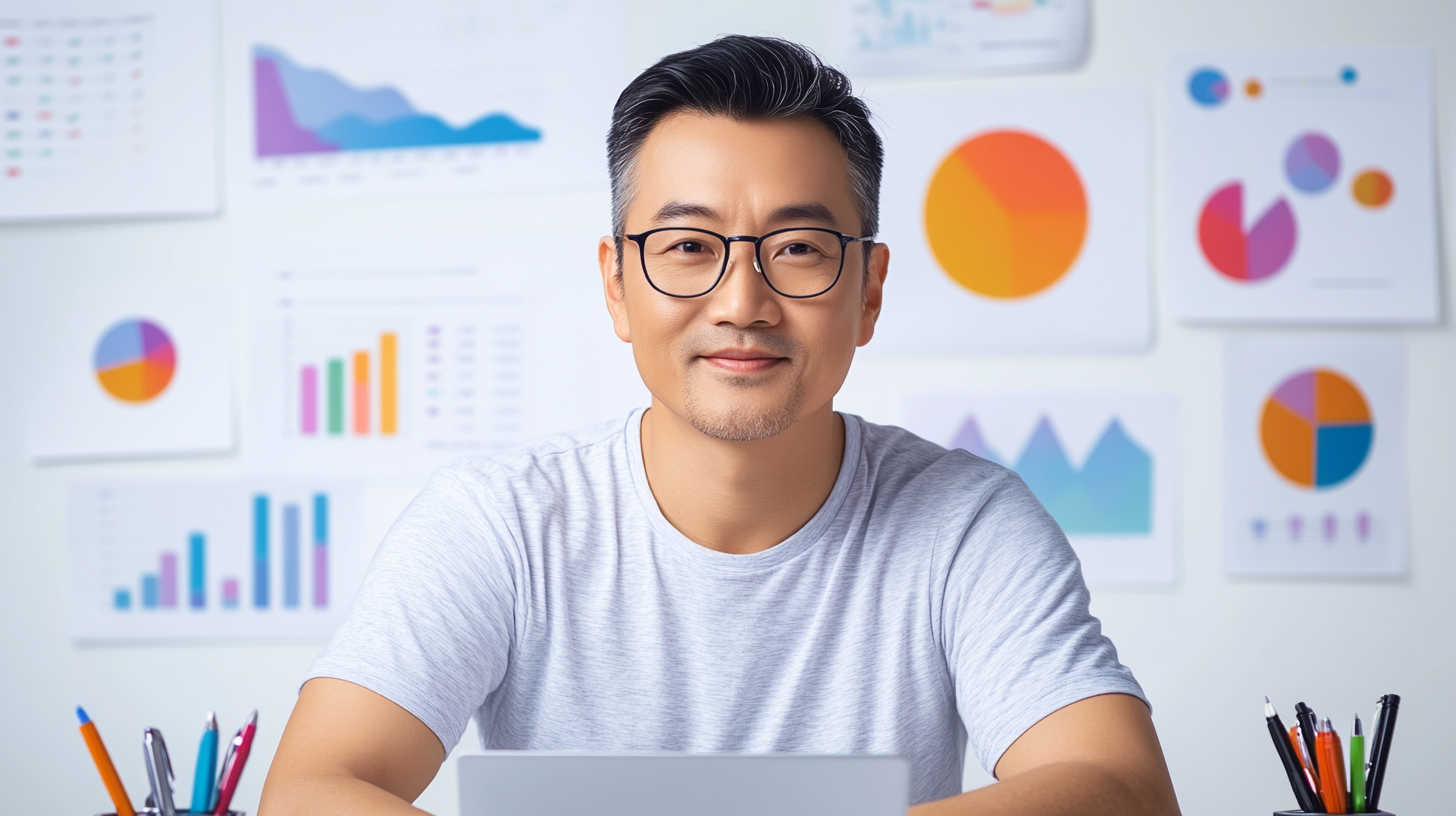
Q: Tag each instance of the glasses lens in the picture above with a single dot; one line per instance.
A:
(683, 262)
(800, 263)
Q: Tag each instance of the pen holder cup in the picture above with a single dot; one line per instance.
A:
(1302, 813)
(151, 811)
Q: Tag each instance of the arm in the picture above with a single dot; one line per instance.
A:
(1096, 756)
(347, 750)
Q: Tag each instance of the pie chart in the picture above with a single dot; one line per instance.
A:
(1240, 255)
(135, 360)
(1317, 429)
(1312, 163)
(1006, 214)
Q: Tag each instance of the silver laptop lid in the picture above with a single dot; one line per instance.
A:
(517, 783)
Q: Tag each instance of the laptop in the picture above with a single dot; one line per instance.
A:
(520, 783)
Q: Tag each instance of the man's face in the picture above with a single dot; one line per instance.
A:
(742, 362)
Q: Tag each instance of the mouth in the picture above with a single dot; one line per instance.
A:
(742, 361)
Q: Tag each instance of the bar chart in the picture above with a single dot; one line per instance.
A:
(224, 558)
(322, 404)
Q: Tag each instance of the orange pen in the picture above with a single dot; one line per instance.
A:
(1305, 764)
(104, 766)
(1332, 768)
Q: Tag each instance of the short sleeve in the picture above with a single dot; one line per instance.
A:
(432, 625)
(1019, 637)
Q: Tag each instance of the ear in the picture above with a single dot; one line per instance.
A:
(614, 288)
(874, 292)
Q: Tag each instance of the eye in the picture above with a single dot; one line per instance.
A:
(688, 247)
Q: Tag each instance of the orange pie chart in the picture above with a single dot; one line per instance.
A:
(1006, 214)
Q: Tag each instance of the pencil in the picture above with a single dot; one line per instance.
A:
(104, 766)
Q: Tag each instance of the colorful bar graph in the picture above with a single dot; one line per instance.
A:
(389, 383)
(308, 400)
(197, 571)
(149, 591)
(230, 593)
(320, 550)
(336, 396)
(260, 551)
(361, 392)
(291, 556)
(169, 580)
(121, 599)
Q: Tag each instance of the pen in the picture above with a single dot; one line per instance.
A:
(206, 766)
(1380, 751)
(1332, 768)
(1308, 728)
(227, 762)
(159, 771)
(1357, 768)
(1302, 793)
(1305, 757)
(233, 770)
(119, 799)
(1297, 749)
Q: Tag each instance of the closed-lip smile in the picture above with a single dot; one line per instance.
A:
(742, 360)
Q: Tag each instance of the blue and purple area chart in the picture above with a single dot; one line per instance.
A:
(301, 111)
(1112, 493)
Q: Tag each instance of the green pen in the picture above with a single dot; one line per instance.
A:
(1357, 768)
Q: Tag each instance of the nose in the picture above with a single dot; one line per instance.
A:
(743, 297)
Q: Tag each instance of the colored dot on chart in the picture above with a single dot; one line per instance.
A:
(1348, 75)
(1254, 89)
(1373, 188)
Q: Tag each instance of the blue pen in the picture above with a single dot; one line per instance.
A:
(202, 781)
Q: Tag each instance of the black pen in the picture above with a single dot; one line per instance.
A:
(1308, 727)
(1302, 792)
(1380, 750)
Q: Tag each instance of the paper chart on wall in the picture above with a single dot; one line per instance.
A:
(394, 358)
(1103, 464)
(1314, 456)
(1016, 223)
(133, 373)
(107, 109)
(330, 100)
(925, 36)
(1300, 186)
(212, 558)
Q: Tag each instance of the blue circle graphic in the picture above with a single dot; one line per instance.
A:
(1208, 87)
(1312, 162)
(1348, 75)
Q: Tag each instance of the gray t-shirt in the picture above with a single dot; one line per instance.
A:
(931, 600)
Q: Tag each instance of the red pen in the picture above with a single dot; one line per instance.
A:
(233, 767)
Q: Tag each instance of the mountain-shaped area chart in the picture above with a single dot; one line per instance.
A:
(301, 111)
(1111, 494)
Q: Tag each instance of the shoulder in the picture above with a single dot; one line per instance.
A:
(549, 458)
(897, 461)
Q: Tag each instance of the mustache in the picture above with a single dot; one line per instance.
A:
(719, 337)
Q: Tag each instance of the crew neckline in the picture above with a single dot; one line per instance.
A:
(801, 540)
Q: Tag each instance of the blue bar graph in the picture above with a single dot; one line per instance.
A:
(291, 556)
(151, 591)
(260, 551)
(121, 599)
(197, 571)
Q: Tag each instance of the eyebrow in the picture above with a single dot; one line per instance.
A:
(810, 211)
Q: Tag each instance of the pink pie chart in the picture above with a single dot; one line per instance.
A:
(1245, 255)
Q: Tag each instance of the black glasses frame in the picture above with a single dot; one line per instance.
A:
(640, 239)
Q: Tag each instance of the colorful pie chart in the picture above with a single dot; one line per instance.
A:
(1006, 214)
(135, 360)
(1317, 428)
(1245, 255)
(1312, 163)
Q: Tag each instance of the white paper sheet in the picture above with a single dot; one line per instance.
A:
(494, 341)
(97, 393)
(927, 36)
(1104, 464)
(1314, 455)
(369, 100)
(212, 558)
(1300, 186)
(1046, 190)
(108, 108)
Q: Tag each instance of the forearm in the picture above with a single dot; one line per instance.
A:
(1062, 789)
(330, 795)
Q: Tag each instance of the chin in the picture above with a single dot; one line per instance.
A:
(741, 417)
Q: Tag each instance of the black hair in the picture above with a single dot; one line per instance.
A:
(746, 78)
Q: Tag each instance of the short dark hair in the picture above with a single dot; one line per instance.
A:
(746, 78)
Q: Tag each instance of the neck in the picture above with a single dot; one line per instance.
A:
(741, 497)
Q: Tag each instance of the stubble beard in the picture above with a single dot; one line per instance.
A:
(739, 417)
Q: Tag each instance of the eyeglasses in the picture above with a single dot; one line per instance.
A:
(799, 262)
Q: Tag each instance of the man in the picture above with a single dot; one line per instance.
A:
(738, 568)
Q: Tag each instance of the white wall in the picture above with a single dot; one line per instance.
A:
(1206, 651)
